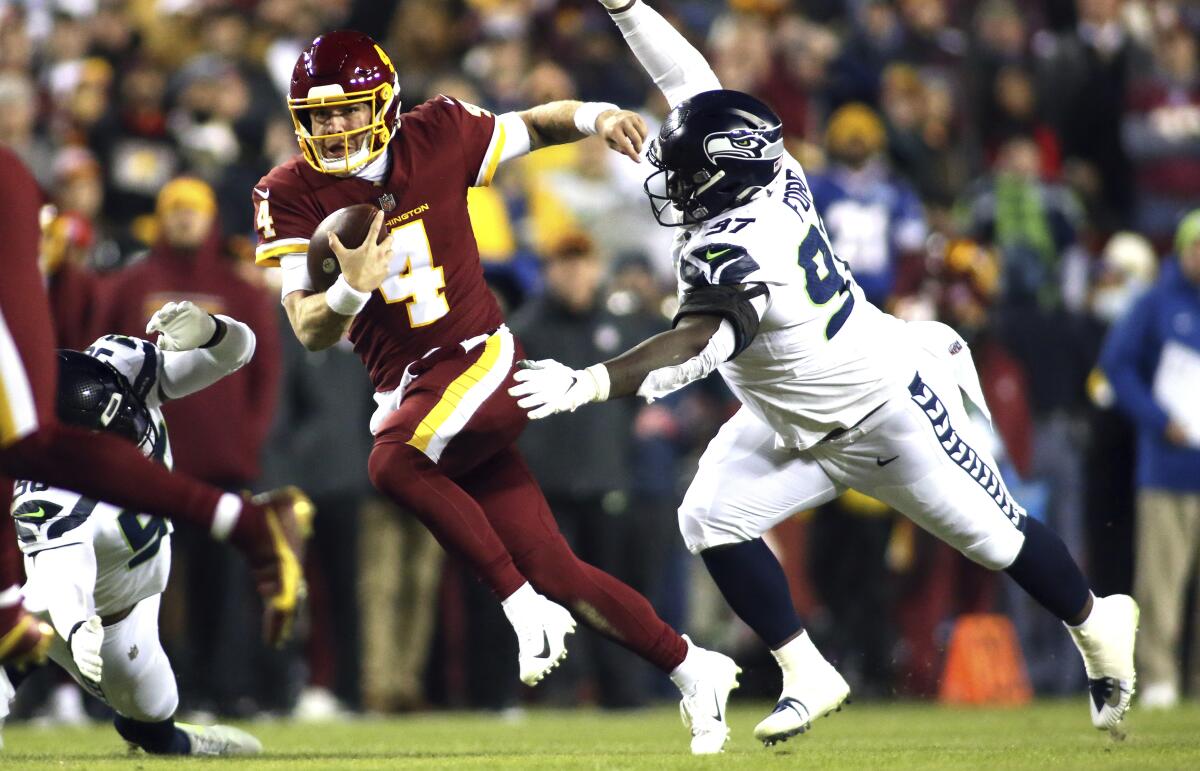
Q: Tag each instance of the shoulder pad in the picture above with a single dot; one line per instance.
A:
(717, 263)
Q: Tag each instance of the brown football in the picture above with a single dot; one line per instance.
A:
(351, 225)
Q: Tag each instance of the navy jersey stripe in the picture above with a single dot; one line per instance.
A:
(963, 455)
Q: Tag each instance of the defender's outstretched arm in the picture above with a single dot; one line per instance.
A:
(674, 64)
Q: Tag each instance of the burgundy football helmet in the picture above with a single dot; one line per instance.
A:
(339, 69)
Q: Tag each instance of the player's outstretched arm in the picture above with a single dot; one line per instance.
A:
(689, 351)
(321, 319)
(198, 348)
(556, 123)
(674, 64)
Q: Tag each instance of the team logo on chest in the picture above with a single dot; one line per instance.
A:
(387, 202)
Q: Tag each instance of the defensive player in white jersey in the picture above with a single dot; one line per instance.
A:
(97, 572)
(836, 394)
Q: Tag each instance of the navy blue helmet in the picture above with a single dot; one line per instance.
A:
(92, 394)
(713, 152)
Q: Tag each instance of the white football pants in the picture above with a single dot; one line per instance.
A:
(138, 681)
(918, 453)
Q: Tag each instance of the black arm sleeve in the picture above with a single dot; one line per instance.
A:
(731, 303)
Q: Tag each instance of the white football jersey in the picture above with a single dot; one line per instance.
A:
(133, 550)
(823, 357)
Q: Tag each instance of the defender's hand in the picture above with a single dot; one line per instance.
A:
(181, 326)
(548, 387)
(366, 266)
(624, 131)
(85, 641)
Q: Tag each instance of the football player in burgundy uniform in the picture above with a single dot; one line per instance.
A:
(421, 317)
(35, 446)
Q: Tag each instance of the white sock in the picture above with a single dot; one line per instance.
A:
(1083, 627)
(688, 672)
(796, 658)
(516, 603)
(229, 508)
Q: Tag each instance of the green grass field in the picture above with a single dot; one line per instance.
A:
(870, 736)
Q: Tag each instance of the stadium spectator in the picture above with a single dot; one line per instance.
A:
(18, 124)
(587, 487)
(72, 286)
(1085, 74)
(1152, 359)
(874, 218)
(1161, 131)
(1128, 268)
(185, 263)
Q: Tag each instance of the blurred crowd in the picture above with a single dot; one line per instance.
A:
(1020, 170)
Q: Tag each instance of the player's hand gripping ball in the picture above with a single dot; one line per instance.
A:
(341, 243)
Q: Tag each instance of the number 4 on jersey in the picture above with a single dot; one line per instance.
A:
(414, 278)
(823, 278)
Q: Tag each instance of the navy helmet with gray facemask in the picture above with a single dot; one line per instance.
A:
(714, 152)
(92, 394)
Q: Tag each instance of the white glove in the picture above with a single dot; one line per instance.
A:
(85, 648)
(549, 387)
(182, 326)
(613, 5)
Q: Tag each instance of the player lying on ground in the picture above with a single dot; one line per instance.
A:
(34, 445)
(97, 571)
(432, 336)
(836, 394)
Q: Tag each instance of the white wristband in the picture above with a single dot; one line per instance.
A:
(588, 112)
(599, 373)
(344, 299)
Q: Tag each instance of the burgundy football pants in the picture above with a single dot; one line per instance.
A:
(447, 455)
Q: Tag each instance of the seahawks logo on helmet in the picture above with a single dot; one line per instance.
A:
(745, 144)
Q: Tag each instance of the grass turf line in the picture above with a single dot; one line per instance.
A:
(1047, 734)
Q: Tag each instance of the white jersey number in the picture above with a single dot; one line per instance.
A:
(415, 280)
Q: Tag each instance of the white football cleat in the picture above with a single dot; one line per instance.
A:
(1106, 641)
(822, 692)
(703, 710)
(219, 740)
(542, 628)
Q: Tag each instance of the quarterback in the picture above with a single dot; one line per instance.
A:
(836, 394)
(439, 355)
(97, 571)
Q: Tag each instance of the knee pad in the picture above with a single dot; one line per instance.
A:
(997, 551)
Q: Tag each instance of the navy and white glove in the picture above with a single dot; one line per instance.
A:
(183, 326)
(85, 640)
(546, 387)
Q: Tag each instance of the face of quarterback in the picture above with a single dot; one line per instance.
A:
(338, 120)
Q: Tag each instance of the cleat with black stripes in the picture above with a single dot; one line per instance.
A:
(1106, 642)
(821, 693)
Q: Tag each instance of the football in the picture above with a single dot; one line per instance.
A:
(351, 225)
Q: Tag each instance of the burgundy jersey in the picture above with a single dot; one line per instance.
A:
(435, 295)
